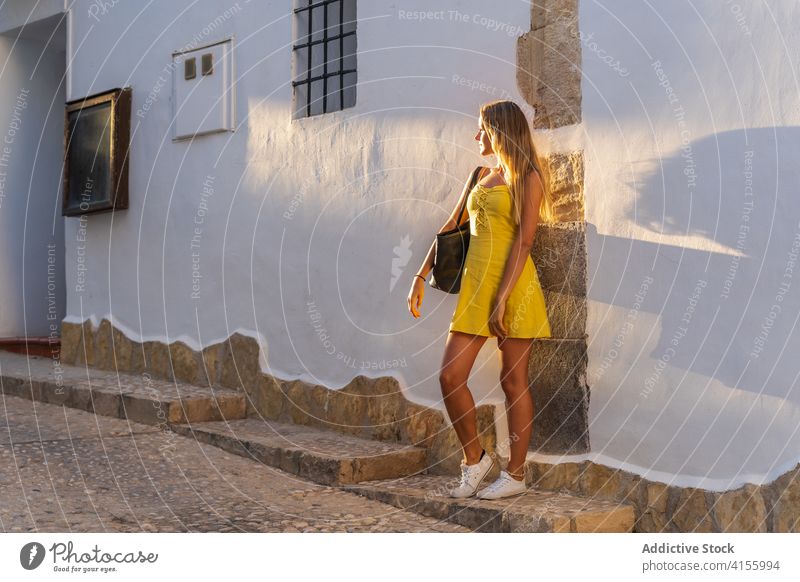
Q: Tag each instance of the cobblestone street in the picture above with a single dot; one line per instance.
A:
(65, 470)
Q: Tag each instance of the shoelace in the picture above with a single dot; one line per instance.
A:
(465, 470)
(504, 478)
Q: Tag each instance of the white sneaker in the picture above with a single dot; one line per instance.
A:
(471, 476)
(504, 486)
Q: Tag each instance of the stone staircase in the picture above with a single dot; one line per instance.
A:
(315, 454)
(396, 473)
(536, 511)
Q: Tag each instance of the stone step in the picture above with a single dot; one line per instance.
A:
(139, 398)
(534, 511)
(317, 454)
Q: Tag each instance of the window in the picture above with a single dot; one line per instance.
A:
(324, 56)
(97, 137)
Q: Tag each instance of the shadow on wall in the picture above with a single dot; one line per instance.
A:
(729, 298)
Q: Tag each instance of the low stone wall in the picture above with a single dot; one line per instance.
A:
(772, 507)
(376, 408)
(368, 407)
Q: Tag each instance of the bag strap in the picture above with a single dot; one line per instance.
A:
(476, 173)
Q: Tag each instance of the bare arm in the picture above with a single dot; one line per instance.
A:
(427, 265)
(523, 242)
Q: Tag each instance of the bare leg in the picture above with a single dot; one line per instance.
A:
(519, 403)
(460, 352)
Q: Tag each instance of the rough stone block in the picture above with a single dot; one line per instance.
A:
(156, 359)
(383, 412)
(122, 349)
(549, 71)
(86, 345)
(346, 411)
(741, 510)
(559, 253)
(105, 402)
(297, 402)
(152, 411)
(445, 454)
(785, 491)
(211, 365)
(657, 494)
(690, 511)
(184, 362)
(651, 522)
(70, 342)
(266, 397)
(600, 481)
(557, 477)
(103, 351)
(557, 375)
(566, 313)
(318, 401)
(240, 364)
(90, 397)
(422, 424)
(617, 520)
(544, 12)
(565, 181)
(137, 363)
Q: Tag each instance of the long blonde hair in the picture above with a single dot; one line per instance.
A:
(512, 143)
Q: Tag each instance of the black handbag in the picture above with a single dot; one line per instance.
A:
(451, 249)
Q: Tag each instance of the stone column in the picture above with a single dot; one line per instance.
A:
(549, 78)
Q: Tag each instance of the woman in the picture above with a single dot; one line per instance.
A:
(500, 294)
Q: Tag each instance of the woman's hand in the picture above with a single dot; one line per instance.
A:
(496, 318)
(415, 296)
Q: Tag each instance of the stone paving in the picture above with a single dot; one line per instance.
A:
(66, 470)
(536, 511)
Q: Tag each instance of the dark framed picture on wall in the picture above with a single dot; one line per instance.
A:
(96, 142)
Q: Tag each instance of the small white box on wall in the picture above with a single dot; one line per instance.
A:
(203, 90)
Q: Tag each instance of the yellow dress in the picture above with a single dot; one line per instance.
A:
(492, 232)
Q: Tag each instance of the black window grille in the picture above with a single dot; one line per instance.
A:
(324, 56)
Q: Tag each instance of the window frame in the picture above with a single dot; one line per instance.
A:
(325, 75)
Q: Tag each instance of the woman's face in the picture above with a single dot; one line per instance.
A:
(482, 137)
